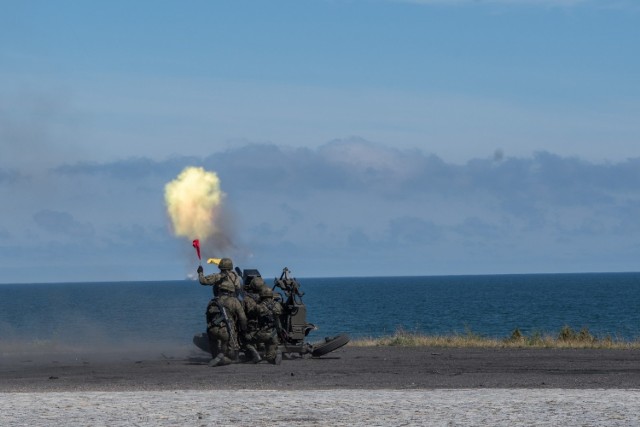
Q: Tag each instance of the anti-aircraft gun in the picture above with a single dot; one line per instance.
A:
(295, 327)
(294, 321)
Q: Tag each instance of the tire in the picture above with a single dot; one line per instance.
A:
(329, 345)
(202, 342)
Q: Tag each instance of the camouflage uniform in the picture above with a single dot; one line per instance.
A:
(249, 303)
(252, 295)
(268, 312)
(226, 274)
(224, 347)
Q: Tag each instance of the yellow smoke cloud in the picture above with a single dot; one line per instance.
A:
(192, 200)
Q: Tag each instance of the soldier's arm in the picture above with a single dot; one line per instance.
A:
(260, 310)
(249, 306)
(276, 314)
(237, 282)
(242, 318)
(209, 280)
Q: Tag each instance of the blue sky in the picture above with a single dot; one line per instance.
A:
(351, 137)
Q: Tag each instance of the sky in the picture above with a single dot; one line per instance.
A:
(351, 137)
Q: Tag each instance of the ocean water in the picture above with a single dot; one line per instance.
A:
(173, 311)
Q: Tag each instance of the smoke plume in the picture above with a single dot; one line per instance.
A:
(194, 202)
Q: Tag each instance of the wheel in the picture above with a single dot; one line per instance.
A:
(202, 342)
(329, 345)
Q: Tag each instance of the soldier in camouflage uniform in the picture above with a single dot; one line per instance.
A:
(250, 302)
(226, 274)
(226, 321)
(268, 312)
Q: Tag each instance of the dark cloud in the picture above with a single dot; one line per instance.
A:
(56, 222)
(9, 176)
(354, 201)
(294, 215)
(129, 169)
(358, 239)
(357, 165)
(137, 235)
(265, 231)
(413, 230)
(269, 168)
(477, 228)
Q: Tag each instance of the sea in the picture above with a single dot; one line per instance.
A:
(156, 313)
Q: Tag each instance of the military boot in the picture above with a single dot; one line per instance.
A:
(278, 358)
(255, 356)
(216, 360)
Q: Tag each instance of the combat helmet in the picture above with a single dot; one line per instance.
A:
(266, 292)
(227, 286)
(225, 264)
(256, 284)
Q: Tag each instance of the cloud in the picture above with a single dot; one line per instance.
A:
(474, 228)
(355, 165)
(626, 5)
(413, 231)
(126, 169)
(9, 176)
(557, 3)
(347, 199)
(62, 223)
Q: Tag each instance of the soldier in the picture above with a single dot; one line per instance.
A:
(226, 274)
(249, 303)
(268, 313)
(225, 321)
(252, 294)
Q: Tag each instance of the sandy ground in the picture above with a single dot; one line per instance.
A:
(352, 386)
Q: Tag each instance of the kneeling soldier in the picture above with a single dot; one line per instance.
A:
(268, 312)
(225, 320)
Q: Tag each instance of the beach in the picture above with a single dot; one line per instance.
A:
(351, 386)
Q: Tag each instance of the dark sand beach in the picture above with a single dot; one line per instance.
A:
(369, 368)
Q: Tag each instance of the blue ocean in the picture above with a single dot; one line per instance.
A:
(489, 305)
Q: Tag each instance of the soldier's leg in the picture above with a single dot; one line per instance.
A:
(216, 346)
(272, 353)
(221, 358)
(227, 351)
(252, 352)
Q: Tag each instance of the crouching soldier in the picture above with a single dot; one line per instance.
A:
(250, 302)
(268, 312)
(225, 320)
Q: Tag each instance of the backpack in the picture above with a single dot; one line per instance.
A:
(215, 318)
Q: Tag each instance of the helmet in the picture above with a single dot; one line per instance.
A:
(226, 285)
(256, 283)
(266, 292)
(225, 264)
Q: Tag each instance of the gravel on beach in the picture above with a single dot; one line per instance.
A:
(497, 407)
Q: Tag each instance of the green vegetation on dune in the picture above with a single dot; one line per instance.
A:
(566, 338)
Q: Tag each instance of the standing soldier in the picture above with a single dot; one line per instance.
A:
(268, 313)
(225, 321)
(226, 274)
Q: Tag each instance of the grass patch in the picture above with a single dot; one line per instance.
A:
(566, 338)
